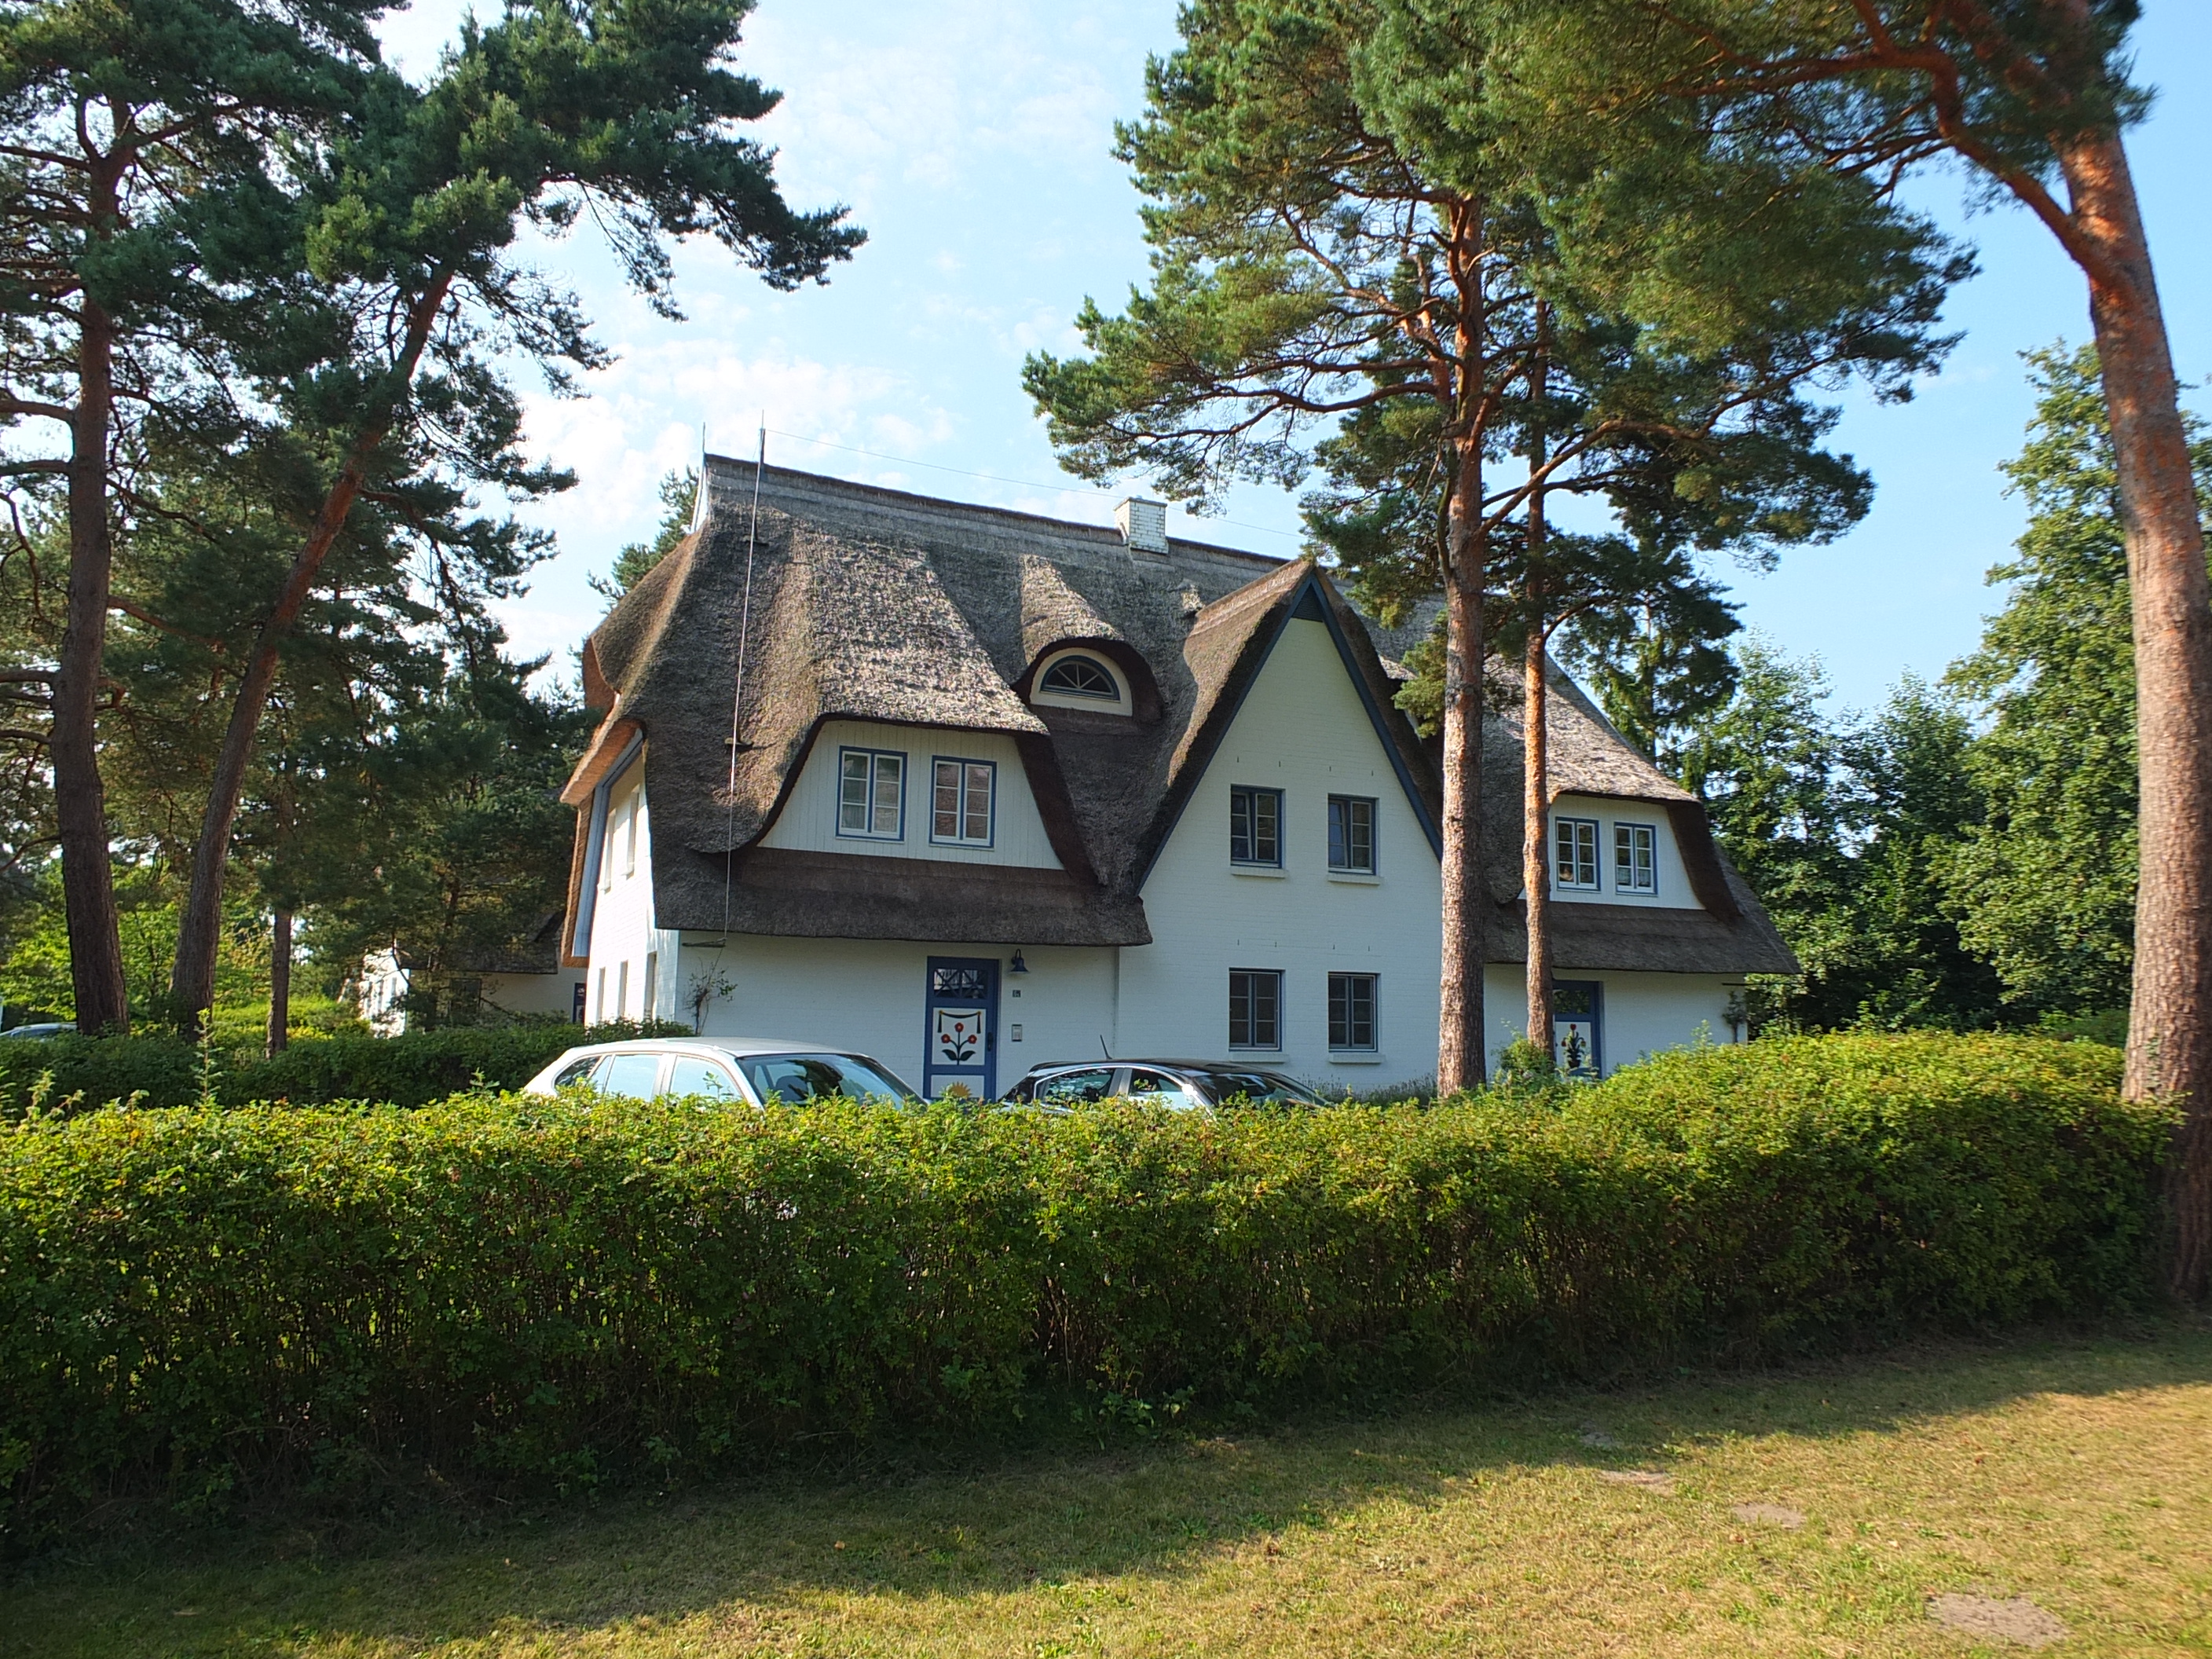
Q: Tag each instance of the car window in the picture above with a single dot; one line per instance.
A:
(1076, 1088)
(796, 1077)
(1261, 1088)
(691, 1075)
(1158, 1089)
(576, 1072)
(631, 1076)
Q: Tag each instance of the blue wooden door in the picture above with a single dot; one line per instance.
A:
(960, 1033)
(1578, 1031)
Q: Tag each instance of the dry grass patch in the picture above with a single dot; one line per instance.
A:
(2075, 1475)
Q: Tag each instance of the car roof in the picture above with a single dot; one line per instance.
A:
(737, 1048)
(1164, 1064)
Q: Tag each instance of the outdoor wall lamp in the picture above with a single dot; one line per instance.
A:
(1017, 966)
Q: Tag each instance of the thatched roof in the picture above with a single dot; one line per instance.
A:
(869, 604)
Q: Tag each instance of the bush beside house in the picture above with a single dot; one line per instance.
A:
(575, 1289)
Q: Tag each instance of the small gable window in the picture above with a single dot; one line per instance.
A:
(1574, 853)
(1081, 679)
(960, 802)
(871, 793)
(1636, 858)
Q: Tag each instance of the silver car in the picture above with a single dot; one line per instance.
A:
(1178, 1084)
(744, 1070)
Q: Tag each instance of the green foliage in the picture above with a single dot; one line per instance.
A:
(571, 1291)
(2044, 886)
(77, 1075)
(679, 496)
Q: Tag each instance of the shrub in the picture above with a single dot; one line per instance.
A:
(568, 1290)
(76, 1073)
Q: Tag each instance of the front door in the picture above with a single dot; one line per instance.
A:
(961, 1028)
(1576, 1005)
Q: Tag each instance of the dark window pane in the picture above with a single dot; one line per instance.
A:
(796, 1078)
(1256, 821)
(1351, 834)
(1351, 1011)
(1255, 1006)
(1075, 1088)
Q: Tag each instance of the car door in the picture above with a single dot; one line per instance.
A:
(696, 1076)
(1153, 1088)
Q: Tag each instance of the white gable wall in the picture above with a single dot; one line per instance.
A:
(808, 822)
(632, 964)
(1303, 729)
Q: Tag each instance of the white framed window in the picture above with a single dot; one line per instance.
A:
(963, 794)
(621, 990)
(629, 833)
(871, 793)
(1574, 853)
(645, 1008)
(1080, 679)
(1635, 858)
(1352, 835)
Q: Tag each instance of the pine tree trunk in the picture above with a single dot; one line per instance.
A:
(200, 931)
(2169, 1041)
(280, 980)
(1536, 815)
(79, 798)
(1460, 1059)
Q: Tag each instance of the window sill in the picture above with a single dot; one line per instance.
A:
(886, 840)
(958, 846)
(1354, 1057)
(1357, 878)
(1256, 1053)
(1270, 872)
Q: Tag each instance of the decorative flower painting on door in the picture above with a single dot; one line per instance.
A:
(959, 1036)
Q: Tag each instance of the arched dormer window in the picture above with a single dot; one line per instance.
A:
(1080, 679)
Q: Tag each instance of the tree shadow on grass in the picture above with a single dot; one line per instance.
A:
(998, 1523)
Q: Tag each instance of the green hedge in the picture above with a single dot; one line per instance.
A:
(73, 1073)
(573, 1290)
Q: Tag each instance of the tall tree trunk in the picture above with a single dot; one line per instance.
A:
(1536, 808)
(280, 978)
(80, 798)
(1536, 739)
(1460, 1058)
(192, 981)
(2169, 1043)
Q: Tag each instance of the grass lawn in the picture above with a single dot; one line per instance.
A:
(2076, 1472)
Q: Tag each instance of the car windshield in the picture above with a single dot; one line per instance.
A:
(1261, 1088)
(795, 1078)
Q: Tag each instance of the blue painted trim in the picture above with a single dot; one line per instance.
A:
(1374, 836)
(1596, 989)
(1282, 802)
(595, 850)
(1620, 824)
(930, 1001)
(1551, 853)
(989, 840)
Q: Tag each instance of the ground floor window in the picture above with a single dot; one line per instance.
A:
(1351, 1011)
(1256, 1008)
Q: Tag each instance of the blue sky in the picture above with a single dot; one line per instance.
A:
(972, 139)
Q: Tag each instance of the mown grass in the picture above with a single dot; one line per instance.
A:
(2076, 1471)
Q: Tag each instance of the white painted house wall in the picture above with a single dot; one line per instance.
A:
(808, 823)
(1301, 729)
(1674, 891)
(633, 965)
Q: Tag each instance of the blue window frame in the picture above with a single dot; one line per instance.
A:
(871, 793)
(963, 797)
(1636, 858)
(1255, 825)
(1574, 853)
(1256, 1008)
(1352, 1012)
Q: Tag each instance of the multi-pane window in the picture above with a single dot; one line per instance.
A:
(1081, 676)
(1350, 1011)
(1352, 835)
(1574, 852)
(1255, 825)
(871, 793)
(960, 802)
(1635, 858)
(1256, 1008)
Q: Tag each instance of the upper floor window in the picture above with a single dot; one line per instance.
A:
(1635, 858)
(1081, 679)
(871, 793)
(960, 801)
(1352, 835)
(1255, 825)
(1574, 853)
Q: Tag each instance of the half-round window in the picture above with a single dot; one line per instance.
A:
(1077, 675)
(1080, 679)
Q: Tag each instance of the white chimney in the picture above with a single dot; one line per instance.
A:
(1144, 525)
